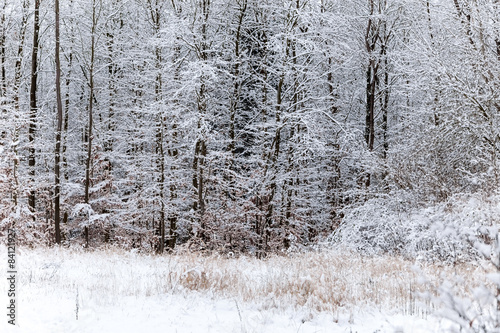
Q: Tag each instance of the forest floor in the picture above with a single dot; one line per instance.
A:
(61, 290)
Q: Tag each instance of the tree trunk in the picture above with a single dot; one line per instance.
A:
(385, 102)
(272, 164)
(17, 85)
(235, 97)
(200, 147)
(3, 84)
(371, 39)
(498, 48)
(155, 15)
(66, 118)
(88, 162)
(57, 170)
(33, 105)
(160, 155)
(370, 106)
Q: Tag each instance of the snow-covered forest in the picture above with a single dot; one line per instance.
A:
(245, 126)
(254, 128)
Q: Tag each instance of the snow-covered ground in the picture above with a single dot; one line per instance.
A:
(40, 311)
(104, 291)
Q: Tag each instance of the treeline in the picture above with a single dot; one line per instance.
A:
(239, 125)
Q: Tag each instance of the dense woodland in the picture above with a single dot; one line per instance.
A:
(245, 125)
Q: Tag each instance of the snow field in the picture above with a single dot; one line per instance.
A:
(61, 290)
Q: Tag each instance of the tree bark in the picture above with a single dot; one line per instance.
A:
(33, 105)
(155, 14)
(235, 97)
(57, 170)
(17, 85)
(200, 147)
(3, 37)
(88, 162)
(371, 38)
(172, 151)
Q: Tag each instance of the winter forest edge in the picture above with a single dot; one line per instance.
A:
(251, 126)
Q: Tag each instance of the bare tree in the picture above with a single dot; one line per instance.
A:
(155, 9)
(200, 151)
(16, 97)
(90, 124)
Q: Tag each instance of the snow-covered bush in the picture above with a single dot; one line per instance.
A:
(471, 307)
(396, 225)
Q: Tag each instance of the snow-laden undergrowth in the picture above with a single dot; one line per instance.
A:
(445, 232)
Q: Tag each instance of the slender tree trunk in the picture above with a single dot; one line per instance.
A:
(112, 87)
(431, 35)
(293, 138)
(272, 164)
(385, 102)
(331, 91)
(371, 38)
(261, 201)
(66, 112)
(155, 14)
(371, 79)
(235, 97)
(200, 147)
(172, 151)
(17, 85)
(66, 118)
(3, 37)
(88, 162)
(33, 105)
(330, 81)
(161, 185)
(160, 153)
(57, 170)
(370, 106)
(198, 179)
(172, 235)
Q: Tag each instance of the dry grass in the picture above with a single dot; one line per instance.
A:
(326, 281)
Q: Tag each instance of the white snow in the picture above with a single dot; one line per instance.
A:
(125, 293)
(40, 311)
